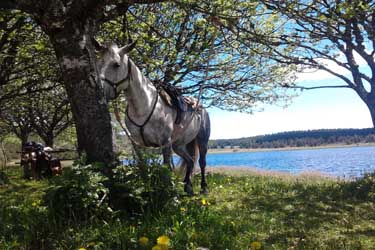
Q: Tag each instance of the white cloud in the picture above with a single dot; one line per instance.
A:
(317, 75)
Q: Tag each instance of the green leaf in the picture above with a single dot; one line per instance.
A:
(39, 46)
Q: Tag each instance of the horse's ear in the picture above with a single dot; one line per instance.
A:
(127, 48)
(98, 46)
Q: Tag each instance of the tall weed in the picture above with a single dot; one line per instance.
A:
(142, 186)
(78, 195)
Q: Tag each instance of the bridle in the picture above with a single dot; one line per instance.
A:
(115, 85)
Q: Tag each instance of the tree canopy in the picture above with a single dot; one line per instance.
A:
(26, 57)
(319, 34)
(32, 97)
(187, 47)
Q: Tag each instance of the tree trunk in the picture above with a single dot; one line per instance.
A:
(24, 138)
(76, 56)
(48, 140)
(371, 107)
(5, 158)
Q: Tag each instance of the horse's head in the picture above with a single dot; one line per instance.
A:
(114, 69)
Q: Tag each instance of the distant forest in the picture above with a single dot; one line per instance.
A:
(309, 138)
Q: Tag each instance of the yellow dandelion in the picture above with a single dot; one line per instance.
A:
(163, 240)
(183, 209)
(143, 241)
(204, 202)
(256, 245)
(81, 248)
(157, 247)
(36, 203)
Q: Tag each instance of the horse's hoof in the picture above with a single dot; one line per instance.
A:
(189, 190)
(204, 190)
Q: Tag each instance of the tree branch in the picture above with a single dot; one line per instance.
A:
(319, 87)
(8, 4)
(146, 1)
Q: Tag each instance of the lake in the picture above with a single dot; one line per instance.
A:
(346, 162)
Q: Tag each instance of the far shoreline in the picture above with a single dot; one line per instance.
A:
(248, 150)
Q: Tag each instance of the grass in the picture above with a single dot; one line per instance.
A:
(280, 212)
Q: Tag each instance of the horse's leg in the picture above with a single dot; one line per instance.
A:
(184, 151)
(202, 165)
(202, 140)
(167, 157)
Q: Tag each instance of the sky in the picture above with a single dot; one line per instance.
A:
(312, 109)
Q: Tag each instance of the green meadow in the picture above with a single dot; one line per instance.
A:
(241, 211)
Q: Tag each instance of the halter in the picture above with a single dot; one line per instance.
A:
(115, 85)
(142, 126)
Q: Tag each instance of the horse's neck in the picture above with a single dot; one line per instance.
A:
(140, 95)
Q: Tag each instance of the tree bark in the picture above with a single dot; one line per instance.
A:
(76, 57)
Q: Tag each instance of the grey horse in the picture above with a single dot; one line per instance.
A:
(149, 119)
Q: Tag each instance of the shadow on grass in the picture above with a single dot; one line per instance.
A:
(305, 215)
(18, 190)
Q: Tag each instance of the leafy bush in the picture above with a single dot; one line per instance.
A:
(363, 188)
(84, 193)
(142, 185)
(79, 194)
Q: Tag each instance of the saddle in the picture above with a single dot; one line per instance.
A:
(172, 95)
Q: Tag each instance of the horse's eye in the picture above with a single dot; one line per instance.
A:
(116, 64)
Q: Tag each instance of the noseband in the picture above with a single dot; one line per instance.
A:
(115, 85)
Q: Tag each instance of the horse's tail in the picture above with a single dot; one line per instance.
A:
(193, 150)
(205, 129)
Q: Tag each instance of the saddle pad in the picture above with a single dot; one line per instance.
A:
(192, 103)
(183, 103)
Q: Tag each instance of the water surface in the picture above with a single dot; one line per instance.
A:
(347, 162)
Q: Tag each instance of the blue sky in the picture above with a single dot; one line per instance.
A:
(312, 109)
